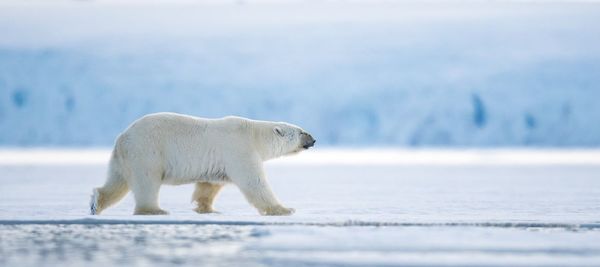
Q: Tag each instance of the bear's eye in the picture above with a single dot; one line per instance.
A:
(279, 131)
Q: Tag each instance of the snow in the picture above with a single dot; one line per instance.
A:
(353, 73)
(432, 211)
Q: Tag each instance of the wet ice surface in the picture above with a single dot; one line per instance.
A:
(96, 245)
(370, 214)
(227, 245)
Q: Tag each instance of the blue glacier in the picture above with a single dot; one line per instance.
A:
(353, 74)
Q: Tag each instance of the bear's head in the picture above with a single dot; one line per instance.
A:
(291, 139)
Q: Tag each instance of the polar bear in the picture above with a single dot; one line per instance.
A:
(170, 148)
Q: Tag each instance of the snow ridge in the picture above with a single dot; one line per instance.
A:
(348, 223)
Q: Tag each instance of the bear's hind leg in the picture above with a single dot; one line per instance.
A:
(204, 195)
(113, 190)
(145, 191)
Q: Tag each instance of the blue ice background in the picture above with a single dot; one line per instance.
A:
(524, 76)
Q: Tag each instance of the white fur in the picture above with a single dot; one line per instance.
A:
(168, 148)
(94, 202)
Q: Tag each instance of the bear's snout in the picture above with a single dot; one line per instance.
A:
(308, 141)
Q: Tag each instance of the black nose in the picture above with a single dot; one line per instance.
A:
(310, 142)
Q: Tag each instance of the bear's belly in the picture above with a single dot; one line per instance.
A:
(218, 179)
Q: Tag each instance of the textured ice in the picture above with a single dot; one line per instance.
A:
(402, 73)
(482, 210)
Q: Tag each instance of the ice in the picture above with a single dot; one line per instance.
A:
(219, 245)
(403, 73)
(488, 208)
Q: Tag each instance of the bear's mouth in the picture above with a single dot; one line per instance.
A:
(308, 144)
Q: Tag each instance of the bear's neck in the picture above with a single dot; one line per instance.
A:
(268, 147)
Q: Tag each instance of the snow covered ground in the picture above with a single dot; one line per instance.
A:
(354, 207)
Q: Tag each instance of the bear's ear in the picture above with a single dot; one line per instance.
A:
(278, 131)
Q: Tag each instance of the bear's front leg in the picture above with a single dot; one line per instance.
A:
(278, 211)
(253, 184)
(259, 194)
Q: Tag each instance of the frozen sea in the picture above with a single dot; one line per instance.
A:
(353, 208)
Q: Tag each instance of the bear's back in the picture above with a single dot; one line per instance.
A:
(179, 123)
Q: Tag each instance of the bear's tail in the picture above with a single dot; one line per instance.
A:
(114, 189)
